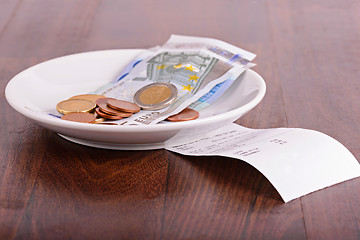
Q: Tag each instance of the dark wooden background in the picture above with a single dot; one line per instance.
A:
(308, 54)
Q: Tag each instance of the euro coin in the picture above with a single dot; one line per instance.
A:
(99, 120)
(102, 100)
(104, 108)
(185, 115)
(79, 117)
(123, 106)
(107, 116)
(156, 96)
(75, 105)
(90, 97)
(107, 123)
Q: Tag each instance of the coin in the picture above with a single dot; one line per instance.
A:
(155, 96)
(185, 115)
(75, 105)
(123, 105)
(99, 120)
(79, 117)
(107, 116)
(104, 108)
(102, 100)
(90, 97)
(107, 123)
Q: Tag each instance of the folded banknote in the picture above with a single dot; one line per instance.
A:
(201, 69)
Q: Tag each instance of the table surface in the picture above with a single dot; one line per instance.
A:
(307, 52)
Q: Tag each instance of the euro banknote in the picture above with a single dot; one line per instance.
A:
(200, 68)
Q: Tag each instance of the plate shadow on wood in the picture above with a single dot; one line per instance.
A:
(230, 176)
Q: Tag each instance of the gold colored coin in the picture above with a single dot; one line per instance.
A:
(90, 97)
(79, 117)
(75, 105)
(155, 96)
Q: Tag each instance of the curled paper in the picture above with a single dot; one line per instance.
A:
(296, 161)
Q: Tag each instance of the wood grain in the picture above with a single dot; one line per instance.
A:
(308, 54)
(325, 100)
(96, 194)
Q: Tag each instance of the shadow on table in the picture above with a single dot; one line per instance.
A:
(83, 191)
(99, 174)
(232, 178)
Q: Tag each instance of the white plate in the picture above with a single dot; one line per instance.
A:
(39, 88)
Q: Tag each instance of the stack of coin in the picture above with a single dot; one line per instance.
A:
(79, 108)
(92, 108)
(114, 109)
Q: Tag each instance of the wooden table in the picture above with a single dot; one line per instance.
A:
(308, 52)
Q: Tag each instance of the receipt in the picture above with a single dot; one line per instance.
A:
(296, 161)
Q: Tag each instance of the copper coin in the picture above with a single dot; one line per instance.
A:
(99, 120)
(185, 115)
(90, 97)
(105, 115)
(123, 105)
(104, 108)
(79, 117)
(75, 105)
(107, 123)
(102, 100)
